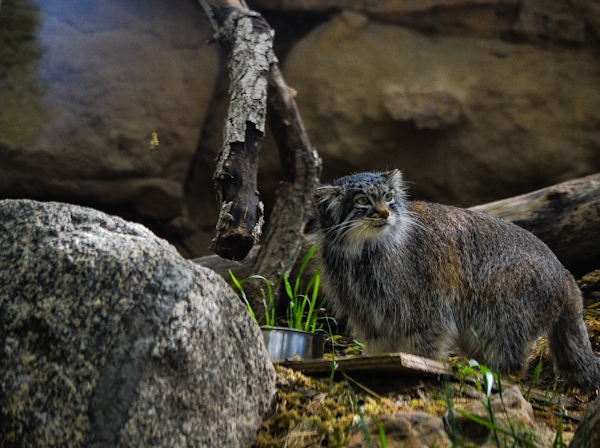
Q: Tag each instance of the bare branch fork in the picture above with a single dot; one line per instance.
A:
(255, 83)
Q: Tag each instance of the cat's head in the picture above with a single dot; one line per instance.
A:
(362, 206)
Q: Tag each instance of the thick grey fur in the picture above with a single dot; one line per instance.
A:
(424, 278)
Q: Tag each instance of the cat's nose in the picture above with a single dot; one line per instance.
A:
(384, 214)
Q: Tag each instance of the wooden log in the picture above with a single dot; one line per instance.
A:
(293, 206)
(565, 216)
(392, 363)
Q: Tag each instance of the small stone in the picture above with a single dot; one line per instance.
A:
(510, 410)
(587, 434)
(405, 430)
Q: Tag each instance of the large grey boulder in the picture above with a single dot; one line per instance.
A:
(109, 338)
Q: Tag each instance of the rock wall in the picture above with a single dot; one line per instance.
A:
(86, 87)
(474, 101)
(468, 119)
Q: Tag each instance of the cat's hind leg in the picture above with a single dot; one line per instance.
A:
(504, 350)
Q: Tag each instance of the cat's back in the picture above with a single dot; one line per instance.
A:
(476, 240)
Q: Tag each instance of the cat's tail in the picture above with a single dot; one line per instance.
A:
(571, 350)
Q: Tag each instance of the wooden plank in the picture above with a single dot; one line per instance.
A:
(396, 363)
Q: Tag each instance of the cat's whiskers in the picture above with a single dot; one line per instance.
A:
(337, 232)
(339, 226)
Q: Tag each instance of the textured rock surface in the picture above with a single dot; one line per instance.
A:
(84, 85)
(87, 87)
(551, 19)
(406, 430)
(109, 338)
(590, 11)
(511, 412)
(530, 114)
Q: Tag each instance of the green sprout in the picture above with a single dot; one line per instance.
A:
(302, 311)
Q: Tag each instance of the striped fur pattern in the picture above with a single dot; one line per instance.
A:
(422, 278)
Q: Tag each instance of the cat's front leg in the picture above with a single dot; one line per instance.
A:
(429, 343)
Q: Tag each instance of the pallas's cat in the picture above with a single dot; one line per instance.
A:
(425, 278)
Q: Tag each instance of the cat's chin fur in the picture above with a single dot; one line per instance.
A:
(375, 235)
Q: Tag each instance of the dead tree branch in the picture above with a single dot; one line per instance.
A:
(301, 166)
(565, 216)
(249, 42)
(248, 39)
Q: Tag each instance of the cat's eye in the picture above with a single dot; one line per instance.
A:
(363, 200)
(388, 197)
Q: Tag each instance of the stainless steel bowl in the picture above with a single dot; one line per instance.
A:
(286, 343)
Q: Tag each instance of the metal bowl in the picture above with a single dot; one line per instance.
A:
(287, 343)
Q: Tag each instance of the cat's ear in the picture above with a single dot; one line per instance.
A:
(324, 197)
(395, 179)
(395, 174)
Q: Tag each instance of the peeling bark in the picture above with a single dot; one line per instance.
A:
(249, 40)
(301, 167)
